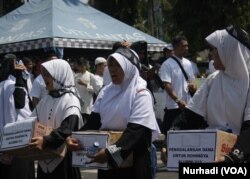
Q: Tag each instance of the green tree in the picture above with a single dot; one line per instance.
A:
(9, 5)
(197, 18)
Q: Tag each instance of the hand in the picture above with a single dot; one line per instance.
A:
(20, 67)
(182, 104)
(164, 155)
(80, 82)
(99, 157)
(73, 144)
(220, 159)
(36, 143)
(192, 87)
(125, 44)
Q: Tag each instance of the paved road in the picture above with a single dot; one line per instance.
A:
(162, 173)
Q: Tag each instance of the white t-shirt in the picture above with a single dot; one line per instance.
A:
(171, 72)
(195, 69)
(97, 83)
(86, 93)
(38, 89)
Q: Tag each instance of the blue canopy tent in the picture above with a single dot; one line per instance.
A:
(65, 23)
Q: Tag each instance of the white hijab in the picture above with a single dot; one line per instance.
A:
(115, 102)
(52, 111)
(222, 98)
(65, 105)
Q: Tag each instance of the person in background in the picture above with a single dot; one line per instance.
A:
(148, 74)
(178, 89)
(60, 110)
(100, 64)
(141, 49)
(116, 45)
(194, 66)
(38, 89)
(211, 68)
(213, 106)
(29, 66)
(14, 106)
(124, 105)
(231, 55)
(167, 51)
(84, 80)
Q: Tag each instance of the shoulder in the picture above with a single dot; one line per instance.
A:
(186, 61)
(143, 96)
(8, 85)
(169, 63)
(143, 92)
(212, 75)
(89, 73)
(38, 80)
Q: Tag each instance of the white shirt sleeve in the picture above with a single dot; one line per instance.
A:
(165, 72)
(36, 89)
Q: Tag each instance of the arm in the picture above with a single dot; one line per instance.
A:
(172, 94)
(94, 123)
(19, 93)
(58, 136)
(36, 91)
(185, 121)
(241, 150)
(136, 137)
(133, 137)
(189, 120)
(96, 84)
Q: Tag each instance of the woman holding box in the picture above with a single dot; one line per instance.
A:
(124, 105)
(60, 110)
(221, 100)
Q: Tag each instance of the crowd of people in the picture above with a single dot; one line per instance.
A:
(118, 96)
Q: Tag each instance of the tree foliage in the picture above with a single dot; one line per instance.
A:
(197, 19)
(193, 18)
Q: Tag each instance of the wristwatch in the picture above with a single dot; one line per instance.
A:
(177, 100)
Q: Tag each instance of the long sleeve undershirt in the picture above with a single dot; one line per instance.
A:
(58, 136)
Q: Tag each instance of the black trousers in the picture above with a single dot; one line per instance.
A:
(169, 117)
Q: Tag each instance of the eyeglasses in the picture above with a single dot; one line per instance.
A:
(239, 34)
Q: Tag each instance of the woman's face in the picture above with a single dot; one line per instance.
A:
(217, 61)
(47, 79)
(115, 70)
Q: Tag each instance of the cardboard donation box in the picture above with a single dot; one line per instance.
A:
(15, 138)
(197, 146)
(91, 142)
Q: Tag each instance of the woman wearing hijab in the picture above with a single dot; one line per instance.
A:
(60, 109)
(221, 100)
(241, 150)
(125, 105)
(14, 106)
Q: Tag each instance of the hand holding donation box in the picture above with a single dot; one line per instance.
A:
(15, 139)
(17, 134)
(91, 142)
